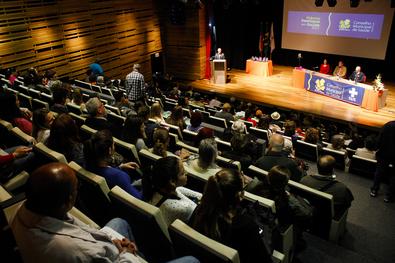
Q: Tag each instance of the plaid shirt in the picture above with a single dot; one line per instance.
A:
(135, 86)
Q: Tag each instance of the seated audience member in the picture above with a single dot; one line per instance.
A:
(144, 113)
(196, 122)
(225, 113)
(11, 112)
(123, 104)
(100, 81)
(156, 113)
(205, 163)
(337, 143)
(31, 79)
(97, 115)
(239, 152)
(356, 142)
(59, 94)
(290, 131)
(134, 132)
(203, 133)
(177, 118)
(49, 78)
(64, 138)
(312, 136)
(369, 151)
(289, 208)
(78, 99)
(220, 217)
(15, 160)
(325, 181)
(164, 189)
(275, 156)
(275, 124)
(325, 68)
(161, 141)
(46, 232)
(358, 75)
(98, 151)
(214, 102)
(42, 121)
(12, 76)
(263, 122)
(340, 70)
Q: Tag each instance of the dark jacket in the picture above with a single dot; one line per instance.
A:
(272, 159)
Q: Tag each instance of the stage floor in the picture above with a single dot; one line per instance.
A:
(277, 90)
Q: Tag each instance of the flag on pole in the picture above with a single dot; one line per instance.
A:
(272, 44)
(261, 36)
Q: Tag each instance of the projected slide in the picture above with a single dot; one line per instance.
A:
(366, 26)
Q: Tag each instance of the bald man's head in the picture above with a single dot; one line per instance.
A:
(52, 190)
(276, 143)
(325, 165)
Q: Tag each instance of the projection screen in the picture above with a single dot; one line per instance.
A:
(359, 32)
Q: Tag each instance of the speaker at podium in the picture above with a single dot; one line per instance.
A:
(218, 71)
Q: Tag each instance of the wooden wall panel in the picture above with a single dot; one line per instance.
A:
(185, 48)
(67, 35)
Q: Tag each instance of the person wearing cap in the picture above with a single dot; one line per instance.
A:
(225, 113)
(135, 85)
(275, 123)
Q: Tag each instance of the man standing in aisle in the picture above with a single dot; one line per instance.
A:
(135, 85)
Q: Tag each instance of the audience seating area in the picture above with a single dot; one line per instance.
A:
(97, 203)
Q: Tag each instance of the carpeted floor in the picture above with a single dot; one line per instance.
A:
(370, 235)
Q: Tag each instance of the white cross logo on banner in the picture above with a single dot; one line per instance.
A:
(353, 92)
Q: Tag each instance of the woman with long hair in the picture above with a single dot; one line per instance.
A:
(98, 151)
(42, 121)
(134, 132)
(11, 112)
(64, 138)
(205, 161)
(156, 113)
(163, 187)
(161, 141)
(220, 217)
(177, 118)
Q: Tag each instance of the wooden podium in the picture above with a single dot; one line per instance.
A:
(218, 71)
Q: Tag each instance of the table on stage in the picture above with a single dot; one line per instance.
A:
(359, 94)
(259, 68)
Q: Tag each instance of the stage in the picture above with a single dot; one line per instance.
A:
(278, 91)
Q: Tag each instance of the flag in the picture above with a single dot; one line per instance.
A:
(261, 36)
(272, 44)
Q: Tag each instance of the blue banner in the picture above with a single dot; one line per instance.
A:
(348, 92)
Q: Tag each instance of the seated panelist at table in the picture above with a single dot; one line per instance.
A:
(340, 70)
(219, 54)
(325, 68)
(358, 75)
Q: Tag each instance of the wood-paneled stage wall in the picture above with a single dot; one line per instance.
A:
(67, 35)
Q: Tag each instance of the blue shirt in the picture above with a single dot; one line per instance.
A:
(115, 176)
(96, 69)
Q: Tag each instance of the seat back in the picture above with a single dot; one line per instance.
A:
(44, 155)
(25, 101)
(223, 146)
(149, 228)
(77, 119)
(86, 132)
(18, 137)
(106, 91)
(127, 150)
(259, 133)
(188, 241)
(147, 158)
(175, 130)
(323, 207)
(93, 197)
(363, 166)
(339, 156)
(254, 171)
(169, 105)
(82, 84)
(189, 136)
(47, 98)
(5, 130)
(117, 122)
(219, 122)
(113, 109)
(228, 163)
(306, 150)
(74, 108)
(39, 104)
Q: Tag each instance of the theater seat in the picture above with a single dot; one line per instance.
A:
(188, 241)
(362, 166)
(339, 156)
(127, 150)
(18, 137)
(17, 181)
(44, 155)
(324, 224)
(149, 228)
(306, 150)
(93, 197)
